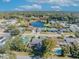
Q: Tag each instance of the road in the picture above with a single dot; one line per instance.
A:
(27, 57)
(42, 34)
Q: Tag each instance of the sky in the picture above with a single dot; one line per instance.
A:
(39, 5)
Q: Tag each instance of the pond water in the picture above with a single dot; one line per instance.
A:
(37, 24)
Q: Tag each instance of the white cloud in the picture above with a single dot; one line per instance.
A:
(34, 6)
(58, 2)
(29, 7)
(74, 4)
(56, 8)
(6, 0)
(18, 9)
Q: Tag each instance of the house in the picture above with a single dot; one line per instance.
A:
(11, 21)
(52, 21)
(53, 30)
(74, 28)
(3, 38)
(64, 30)
(71, 39)
(37, 40)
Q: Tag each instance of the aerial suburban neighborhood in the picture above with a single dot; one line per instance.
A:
(39, 29)
(39, 35)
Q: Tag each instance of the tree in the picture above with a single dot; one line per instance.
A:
(44, 48)
(49, 45)
(13, 30)
(22, 22)
(71, 50)
(2, 50)
(17, 45)
(10, 27)
(74, 50)
(77, 34)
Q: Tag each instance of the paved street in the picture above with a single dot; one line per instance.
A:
(27, 57)
(41, 34)
(3, 56)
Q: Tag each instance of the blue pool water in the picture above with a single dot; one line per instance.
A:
(37, 24)
(58, 51)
